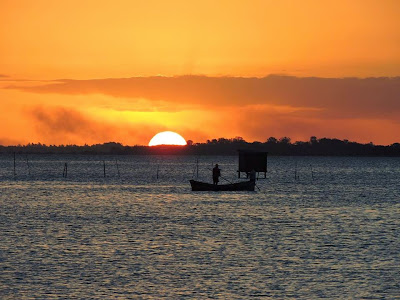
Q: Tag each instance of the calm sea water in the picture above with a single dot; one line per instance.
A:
(332, 233)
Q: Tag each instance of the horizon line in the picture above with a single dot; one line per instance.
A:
(278, 140)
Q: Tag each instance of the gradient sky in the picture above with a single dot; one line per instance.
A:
(97, 71)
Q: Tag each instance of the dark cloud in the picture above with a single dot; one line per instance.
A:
(63, 121)
(61, 125)
(332, 97)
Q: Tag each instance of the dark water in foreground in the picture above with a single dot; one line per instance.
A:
(138, 237)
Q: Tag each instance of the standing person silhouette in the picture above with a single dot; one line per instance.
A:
(216, 174)
(253, 175)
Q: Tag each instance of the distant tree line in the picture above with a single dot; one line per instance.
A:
(221, 146)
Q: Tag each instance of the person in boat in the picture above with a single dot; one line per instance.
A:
(253, 175)
(216, 174)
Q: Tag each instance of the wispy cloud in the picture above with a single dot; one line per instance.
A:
(55, 124)
(131, 110)
(331, 97)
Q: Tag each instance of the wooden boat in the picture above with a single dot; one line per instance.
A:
(237, 186)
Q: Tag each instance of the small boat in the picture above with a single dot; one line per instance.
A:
(237, 186)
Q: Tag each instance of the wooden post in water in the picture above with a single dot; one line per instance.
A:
(158, 169)
(65, 172)
(27, 163)
(104, 168)
(15, 174)
(116, 162)
(194, 171)
(312, 173)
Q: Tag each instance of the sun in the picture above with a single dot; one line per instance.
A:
(167, 138)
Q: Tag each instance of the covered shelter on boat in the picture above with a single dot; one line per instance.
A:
(252, 160)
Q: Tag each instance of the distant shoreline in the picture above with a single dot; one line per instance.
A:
(226, 147)
(193, 155)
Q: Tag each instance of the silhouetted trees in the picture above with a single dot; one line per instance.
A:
(220, 146)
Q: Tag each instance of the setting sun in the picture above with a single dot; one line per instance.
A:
(167, 138)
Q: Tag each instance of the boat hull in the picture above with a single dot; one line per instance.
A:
(237, 186)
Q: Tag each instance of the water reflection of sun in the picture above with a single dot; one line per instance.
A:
(167, 138)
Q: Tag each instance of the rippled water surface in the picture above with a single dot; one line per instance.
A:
(332, 233)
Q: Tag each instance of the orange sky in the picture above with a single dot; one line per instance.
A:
(115, 52)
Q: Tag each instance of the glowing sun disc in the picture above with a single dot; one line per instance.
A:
(167, 138)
